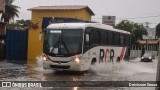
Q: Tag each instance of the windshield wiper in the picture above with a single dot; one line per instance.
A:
(65, 46)
(59, 43)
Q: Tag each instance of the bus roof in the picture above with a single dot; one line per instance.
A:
(83, 26)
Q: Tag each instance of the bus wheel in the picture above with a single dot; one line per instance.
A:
(118, 59)
(93, 61)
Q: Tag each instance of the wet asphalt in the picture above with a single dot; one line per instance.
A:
(134, 70)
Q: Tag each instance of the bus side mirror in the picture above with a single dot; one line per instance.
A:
(87, 39)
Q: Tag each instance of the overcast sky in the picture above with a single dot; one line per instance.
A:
(139, 11)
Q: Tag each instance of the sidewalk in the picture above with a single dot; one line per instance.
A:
(6, 64)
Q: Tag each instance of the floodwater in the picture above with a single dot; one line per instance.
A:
(134, 70)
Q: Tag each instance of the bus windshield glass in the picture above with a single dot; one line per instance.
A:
(64, 42)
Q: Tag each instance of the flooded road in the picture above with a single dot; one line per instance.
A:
(134, 70)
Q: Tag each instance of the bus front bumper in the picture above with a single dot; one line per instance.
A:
(70, 66)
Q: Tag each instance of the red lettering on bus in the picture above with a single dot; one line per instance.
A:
(107, 51)
(122, 53)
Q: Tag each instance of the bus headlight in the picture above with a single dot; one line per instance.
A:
(77, 60)
(45, 57)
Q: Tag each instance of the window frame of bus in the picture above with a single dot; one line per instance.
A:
(92, 42)
(111, 37)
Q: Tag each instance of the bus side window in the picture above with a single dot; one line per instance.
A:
(95, 37)
(122, 42)
(106, 37)
(110, 38)
(103, 37)
(116, 38)
(127, 40)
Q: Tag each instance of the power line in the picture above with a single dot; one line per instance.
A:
(135, 17)
(144, 17)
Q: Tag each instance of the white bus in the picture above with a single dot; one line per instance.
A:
(77, 46)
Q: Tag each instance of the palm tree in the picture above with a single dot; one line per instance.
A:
(11, 11)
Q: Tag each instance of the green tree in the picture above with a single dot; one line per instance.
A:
(136, 30)
(158, 30)
(22, 25)
(19, 24)
(11, 11)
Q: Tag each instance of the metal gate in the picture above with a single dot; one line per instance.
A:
(16, 46)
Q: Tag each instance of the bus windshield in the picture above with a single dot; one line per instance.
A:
(64, 42)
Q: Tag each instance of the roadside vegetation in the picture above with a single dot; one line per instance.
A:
(136, 30)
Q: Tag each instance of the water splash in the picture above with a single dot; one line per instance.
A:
(40, 65)
(122, 68)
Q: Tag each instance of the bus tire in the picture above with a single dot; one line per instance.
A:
(118, 59)
(93, 61)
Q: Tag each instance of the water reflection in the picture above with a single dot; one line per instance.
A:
(59, 77)
(75, 79)
(75, 88)
(43, 78)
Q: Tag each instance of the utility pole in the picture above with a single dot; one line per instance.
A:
(147, 38)
(147, 24)
(158, 67)
(146, 44)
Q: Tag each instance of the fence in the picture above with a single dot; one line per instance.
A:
(16, 46)
(139, 50)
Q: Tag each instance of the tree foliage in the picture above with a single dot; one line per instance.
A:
(22, 25)
(136, 30)
(158, 30)
(11, 11)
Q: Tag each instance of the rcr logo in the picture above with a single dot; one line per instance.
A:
(104, 54)
(6, 84)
